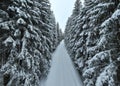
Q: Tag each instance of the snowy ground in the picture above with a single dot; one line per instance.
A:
(62, 72)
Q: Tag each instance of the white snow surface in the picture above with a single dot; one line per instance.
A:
(62, 72)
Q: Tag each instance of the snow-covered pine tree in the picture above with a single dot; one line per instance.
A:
(93, 42)
(26, 41)
(71, 29)
(77, 7)
(59, 33)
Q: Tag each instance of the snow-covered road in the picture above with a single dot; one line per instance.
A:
(62, 72)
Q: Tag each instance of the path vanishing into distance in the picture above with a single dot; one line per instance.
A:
(62, 72)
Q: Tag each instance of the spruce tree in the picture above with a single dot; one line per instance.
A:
(77, 7)
(26, 41)
(92, 41)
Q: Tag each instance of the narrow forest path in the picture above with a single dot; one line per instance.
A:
(62, 72)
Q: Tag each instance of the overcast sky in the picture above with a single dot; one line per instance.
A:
(62, 10)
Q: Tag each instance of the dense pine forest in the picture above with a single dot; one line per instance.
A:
(92, 39)
(28, 36)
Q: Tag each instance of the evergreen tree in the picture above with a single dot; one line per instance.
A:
(59, 33)
(77, 7)
(92, 41)
(26, 41)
